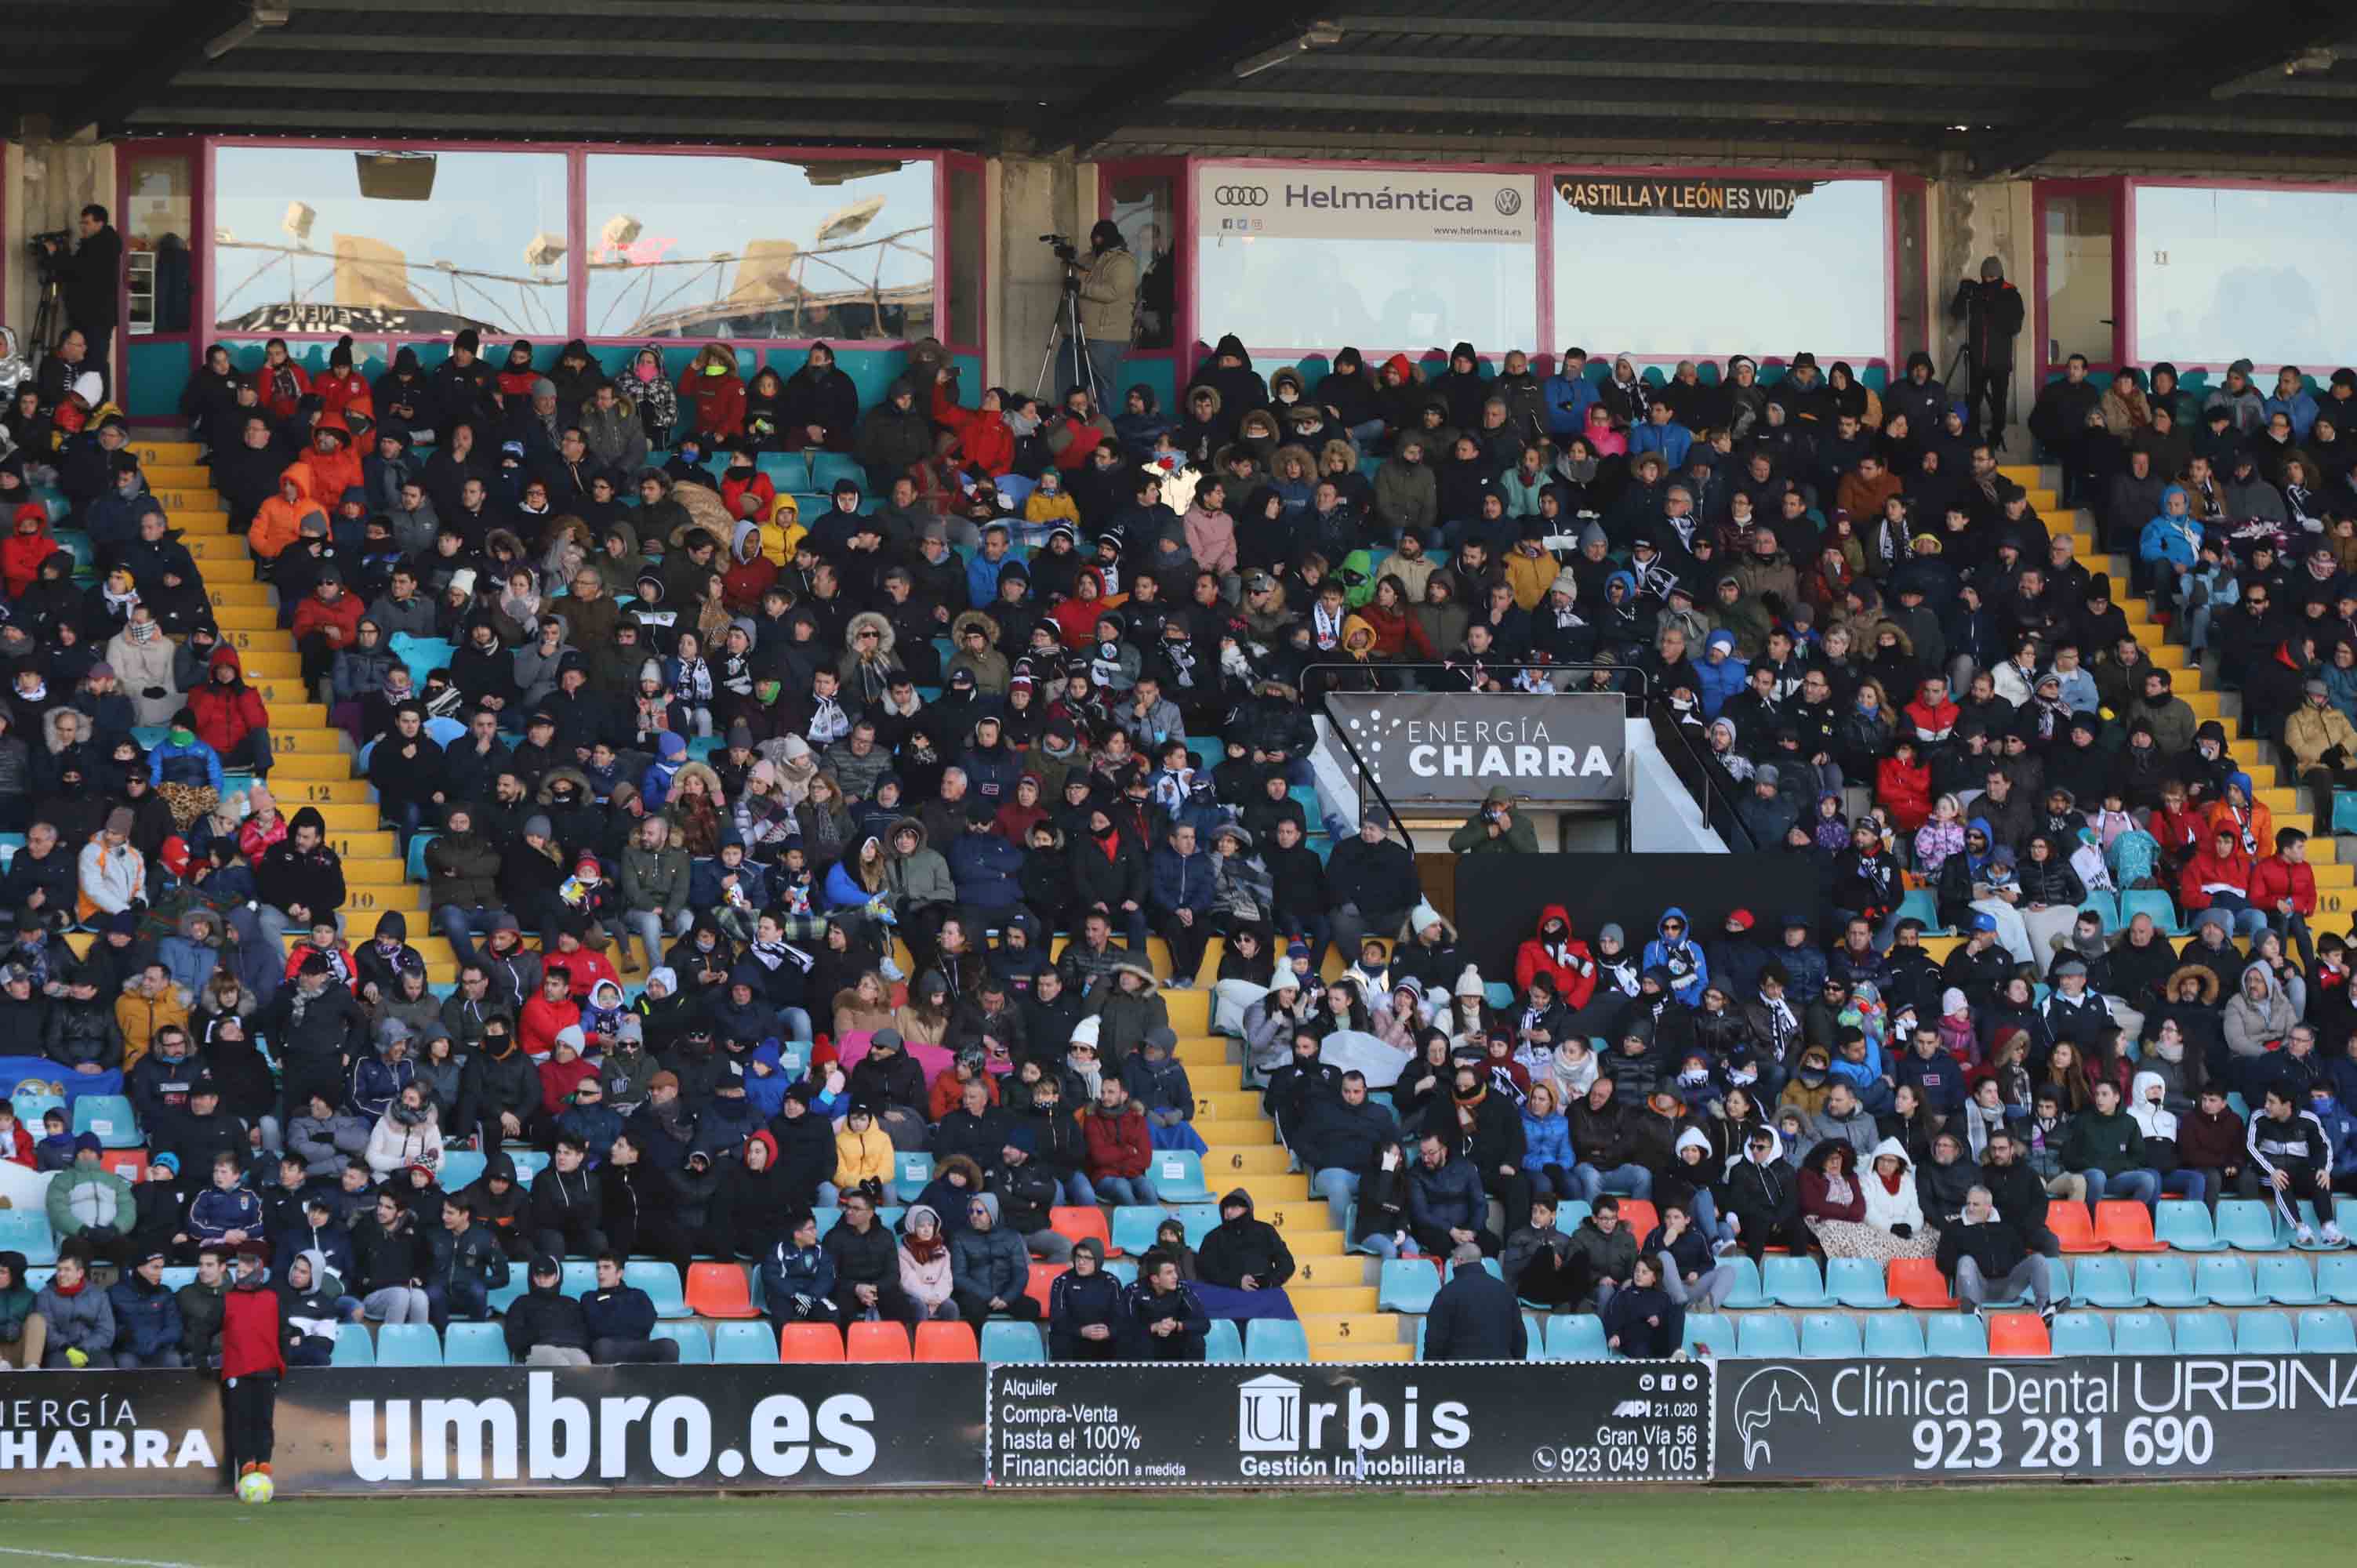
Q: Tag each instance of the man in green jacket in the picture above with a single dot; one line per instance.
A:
(1496, 827)
(2106, 1146)
(88, 1201)
(654, 881)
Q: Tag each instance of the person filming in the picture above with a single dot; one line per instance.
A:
(91, 276)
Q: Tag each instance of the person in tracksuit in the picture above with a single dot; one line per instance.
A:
(2294, 1160)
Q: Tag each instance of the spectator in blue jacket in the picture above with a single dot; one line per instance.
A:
(2170, 544)
(182, 759)
(1180, 883)
(992, 767)
(1157, 1082)
(1937, 1078)
(228, 1211)
(1674, 949)
(1569, 393)
(798, 1277)
(986, 866)
(1662, 433)
(1721, 674)
(621, 1319)
(146, 1318)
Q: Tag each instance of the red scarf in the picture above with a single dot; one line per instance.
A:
(1890, 1183)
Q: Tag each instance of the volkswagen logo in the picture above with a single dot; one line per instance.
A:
(1509, 201)
(1241, 195)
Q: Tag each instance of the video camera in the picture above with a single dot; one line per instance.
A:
(50, 251)
(1066, 251)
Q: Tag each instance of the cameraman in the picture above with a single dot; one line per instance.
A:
(1108, 309)
(1496, 828)
(92, 274)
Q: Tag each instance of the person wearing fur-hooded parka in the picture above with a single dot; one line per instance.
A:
(714, 393)
(894, 437)
(2258, 1015)
(991, 671)
(867, 664)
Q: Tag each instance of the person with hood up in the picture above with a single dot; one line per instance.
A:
(1244, 1252)
(712, 393)
(989, 1267)
(2258, 1018)
(1674, 949)
(893, 437)
(2147, 1107)
(925, 1267)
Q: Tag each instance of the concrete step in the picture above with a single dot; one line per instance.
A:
(154, 453)
(1360, 1350)
(1354, 1328)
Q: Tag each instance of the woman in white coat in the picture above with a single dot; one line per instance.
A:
(141, 657)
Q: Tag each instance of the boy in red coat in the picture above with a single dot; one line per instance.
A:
(2283, 886)
(252, 1360)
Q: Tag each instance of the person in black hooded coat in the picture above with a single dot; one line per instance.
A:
(1230, 372)
(1462, 387)
(1244, 1252)
(821, 405)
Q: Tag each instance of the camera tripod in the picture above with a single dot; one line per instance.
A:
(1067, 329)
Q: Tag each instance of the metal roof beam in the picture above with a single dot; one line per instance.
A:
(1900, 35)
(1202, 54)
(144, 64)
(1348, 107)
(2245, 40)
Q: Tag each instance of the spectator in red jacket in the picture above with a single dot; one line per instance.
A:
(714, 393)
(1554, 952)
(230, 714)
(985, 444)
(2283, 889)
(1119, 1148)
(2219, 877)
(326, 622)
(1902, 785)
(30, 544)
(1932, 715)
(551, 1010)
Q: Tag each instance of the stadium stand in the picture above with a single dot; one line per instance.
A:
(2026, 1065)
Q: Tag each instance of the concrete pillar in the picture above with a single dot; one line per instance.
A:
(1036, 196)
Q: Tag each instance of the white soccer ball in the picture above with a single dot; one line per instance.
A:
(256, 1487)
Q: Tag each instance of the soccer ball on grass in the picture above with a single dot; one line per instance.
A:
(256, 1487)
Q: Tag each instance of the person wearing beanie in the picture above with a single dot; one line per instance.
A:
(1086, 1307)
(113, 874)
(545, 1327)
(2323, 746)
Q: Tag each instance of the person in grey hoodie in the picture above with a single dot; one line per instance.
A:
(989, 1266)
(78, 1319)
(326, 1139)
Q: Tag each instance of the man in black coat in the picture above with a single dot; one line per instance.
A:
(1763, 1196)
(545, 1327)
(92, 273)
(1244, 1252)
(318, 1031)
(1985, 1259)
(1990, 309)
(867, 1265)
(1474, 1317)
(1370, 885)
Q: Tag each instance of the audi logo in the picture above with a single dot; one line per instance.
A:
(1241, 195)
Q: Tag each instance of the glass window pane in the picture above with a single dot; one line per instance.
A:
(1145, 207)
(2260, 274)
(330, 240)
(2078, 246)
(1650, 283)
(155, 223)
(1369, 293)
(742, 247)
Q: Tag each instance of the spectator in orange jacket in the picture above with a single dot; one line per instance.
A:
(279, 521)
(334, 461)
(2219, 877)
(2247, 817)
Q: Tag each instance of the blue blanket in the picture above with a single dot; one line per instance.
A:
(14, 1070)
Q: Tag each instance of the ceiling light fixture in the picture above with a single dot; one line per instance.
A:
(1319, 36)
(256, 20)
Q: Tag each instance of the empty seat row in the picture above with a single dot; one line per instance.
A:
(1832, 1337)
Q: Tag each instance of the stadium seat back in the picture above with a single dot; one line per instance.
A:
(1178, 1178)
(946, 1342)
(2125, 1225)
(2018, 1334)
(1918, 1282)
(720, 1290)
(2248, 1225)
(1223, 1344)
(1793, 1282)
(26, 1230)
(2226, 1281)
(1078, 1222)
(474, 1344)
(1575, 1336)
(1712, 1330)
(743, 1344)
(109, 1116)
(1749, 1293)
(1276, 1340)
(2073, 1227)
(461, 1168)
(1830, 1337)
(2336, 1276)
(1407, 1285)
(2137, 1334)
(2266, 1333)
(1956, 1333)
(1639, 1217)
(694, 1346)
(2324, 1333)
(2184, 1225)
(407, 1345)
(1766, 1335)
(353, 1347)
(1012, 1343)
(1894, 1334)
(1133, 1228)
(810, 1342)
(661, 1281)
(1856, 1283)
(2166, 1281)
(911, 1168)
(2204, 1333)
(2286, 1279)
(2106, 1282)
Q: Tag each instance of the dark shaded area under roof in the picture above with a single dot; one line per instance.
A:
(1980, 86)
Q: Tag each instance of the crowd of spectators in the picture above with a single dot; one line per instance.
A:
(683, 714)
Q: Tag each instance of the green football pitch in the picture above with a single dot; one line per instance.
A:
(2172, 1525)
